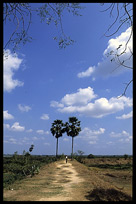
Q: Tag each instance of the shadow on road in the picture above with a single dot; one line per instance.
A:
(100, 194)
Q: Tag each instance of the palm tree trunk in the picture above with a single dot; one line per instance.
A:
(57, 147)
(72, 146)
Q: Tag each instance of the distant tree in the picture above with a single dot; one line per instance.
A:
(90, 156)
(72, 129)
(15, 156)
(31, 148)
(80, 152)
(57, 130)
(125, 156)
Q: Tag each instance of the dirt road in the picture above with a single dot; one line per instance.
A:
(67, 179)
(58, 181)
(73, 181)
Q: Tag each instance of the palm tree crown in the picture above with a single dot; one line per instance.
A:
(57, 130)
(72, 128)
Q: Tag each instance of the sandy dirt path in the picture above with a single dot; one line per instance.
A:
(67, 177)
(58, 181)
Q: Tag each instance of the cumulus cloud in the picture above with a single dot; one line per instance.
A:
(125, 116)
(24, 108)
(55, 104)
(124, 136)
(81, 97)
(108, 66)
(16, 127)
(86, 73)
(91, 136)
(80, 103)
(44, 117)
(11, 64)
(7, 116)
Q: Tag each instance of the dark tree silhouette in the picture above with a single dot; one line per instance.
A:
(57, 130)
(72, 129)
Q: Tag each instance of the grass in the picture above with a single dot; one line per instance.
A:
(112, 177)
(112, 166)
(99, 184)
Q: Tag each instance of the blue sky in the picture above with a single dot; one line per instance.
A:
(43, 83)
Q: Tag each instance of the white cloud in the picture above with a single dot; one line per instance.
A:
(107, 68)
(55, 104)
(81, 97)
(47, 132)
(45, 117)
(24, 108)
(42, 132)
(125, 116)
(80, 103)
(7, 126)
(16, 127)
(124, 136)
(86, 73)
(13, 141)
(30, 130)
(91, 136)
(7, 116)
(11, 64)
(123, 133)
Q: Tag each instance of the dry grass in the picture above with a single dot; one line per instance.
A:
(98, 178)
(74, 182)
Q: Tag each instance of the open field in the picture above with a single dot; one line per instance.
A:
(105, 173)
(74, 181)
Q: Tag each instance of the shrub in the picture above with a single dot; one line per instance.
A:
(8, 179)
(91, 156)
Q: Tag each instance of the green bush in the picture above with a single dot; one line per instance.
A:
(8, 179)
(17, 167)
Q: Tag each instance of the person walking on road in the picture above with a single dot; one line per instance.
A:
(66, 158)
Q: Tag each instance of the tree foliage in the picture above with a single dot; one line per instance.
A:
(19, 16)
(57, 130)
(72, 129)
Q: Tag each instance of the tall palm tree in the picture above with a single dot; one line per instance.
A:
(57, 130)
(72, 129)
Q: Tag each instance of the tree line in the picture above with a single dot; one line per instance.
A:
(71, 128)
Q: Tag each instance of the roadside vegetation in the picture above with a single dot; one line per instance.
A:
(115, 173)
(98, 176)
(106, 162)
(18, 167)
